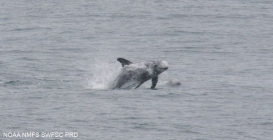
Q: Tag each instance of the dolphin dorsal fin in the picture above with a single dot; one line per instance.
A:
(124, 61)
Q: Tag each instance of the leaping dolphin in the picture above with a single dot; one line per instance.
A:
(135, 74)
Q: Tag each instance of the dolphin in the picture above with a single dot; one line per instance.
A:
(135, 74)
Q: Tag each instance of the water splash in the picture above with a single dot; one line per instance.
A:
(103, 73)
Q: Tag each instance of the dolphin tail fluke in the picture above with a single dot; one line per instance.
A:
(124, 61)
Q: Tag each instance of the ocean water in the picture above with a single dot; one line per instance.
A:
(56, 58)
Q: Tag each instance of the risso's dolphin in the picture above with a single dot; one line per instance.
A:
(134, 75)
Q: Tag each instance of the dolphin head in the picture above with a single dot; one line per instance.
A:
(160, 66)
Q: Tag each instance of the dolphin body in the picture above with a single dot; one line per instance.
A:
(135, 74)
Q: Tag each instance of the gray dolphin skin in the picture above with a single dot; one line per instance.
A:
(135, 74)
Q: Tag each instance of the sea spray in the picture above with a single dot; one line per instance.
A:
(103, 74)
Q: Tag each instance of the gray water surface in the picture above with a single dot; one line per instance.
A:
(52, 53)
